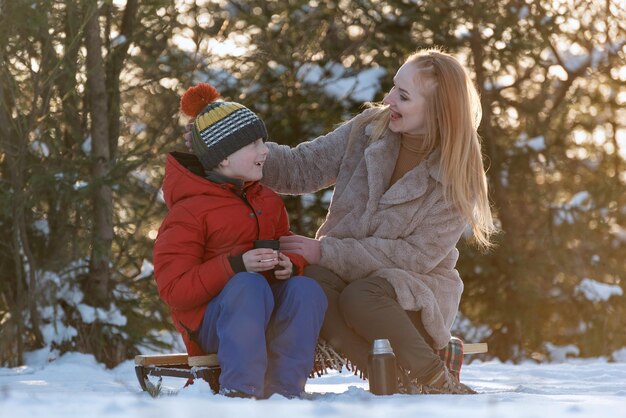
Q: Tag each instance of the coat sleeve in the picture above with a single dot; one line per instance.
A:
(184, 279)
(420, 251)
(299, 262)
(309, 167)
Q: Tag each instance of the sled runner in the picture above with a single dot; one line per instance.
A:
(206, 368)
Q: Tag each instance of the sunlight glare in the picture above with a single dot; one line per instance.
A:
(169, 83)
(34, 64)
(231, 47)
(234, 46)
(621, 142)
(184, 43)
(580, 136)
(558, 72)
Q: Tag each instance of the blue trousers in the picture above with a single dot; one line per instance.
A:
(264, 335)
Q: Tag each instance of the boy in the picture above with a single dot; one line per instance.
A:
(251, 306)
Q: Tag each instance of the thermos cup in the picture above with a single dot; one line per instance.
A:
(274, 244)
(381, 369)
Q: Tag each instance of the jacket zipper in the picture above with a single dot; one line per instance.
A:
(258, 225)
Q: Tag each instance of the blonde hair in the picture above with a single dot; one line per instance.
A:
(453, 113)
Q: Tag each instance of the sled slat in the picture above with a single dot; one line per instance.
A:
(176, 358)
(161, 359)
(475, 348)
(208, 360)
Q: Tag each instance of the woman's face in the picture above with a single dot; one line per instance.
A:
(407, 102)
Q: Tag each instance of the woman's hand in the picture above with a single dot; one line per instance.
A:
(187, 135)
(308, 248)
(260, 259)
(286, 267)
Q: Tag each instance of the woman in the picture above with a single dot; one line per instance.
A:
(408, 178)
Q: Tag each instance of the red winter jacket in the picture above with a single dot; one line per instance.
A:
(206, 223)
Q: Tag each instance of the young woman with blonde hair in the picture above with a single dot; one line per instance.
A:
(409, 179)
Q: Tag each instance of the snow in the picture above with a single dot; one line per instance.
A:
(118, 40)
(86, 145)
(538, 143)
(112, 316)
(57, 332)
(75, 385)
(80, 184)
(147, 269)
(523, 12)
(307, 200)
(559, 353)
(361, 87)
(40, 148)
(580, 201)
(137, 128)
(596, 291)
(620, 355)
(472, 332)
(42, 226)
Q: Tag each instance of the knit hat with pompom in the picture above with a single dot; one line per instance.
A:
(220, 128)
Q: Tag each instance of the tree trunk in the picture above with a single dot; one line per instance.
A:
(17, 291)
(115, 64)
(98, 288)
(62, 229)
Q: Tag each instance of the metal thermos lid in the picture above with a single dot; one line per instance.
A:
(382, 346)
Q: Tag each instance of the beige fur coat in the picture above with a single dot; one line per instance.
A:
(406, 234)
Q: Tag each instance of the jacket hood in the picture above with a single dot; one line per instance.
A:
(184, 179)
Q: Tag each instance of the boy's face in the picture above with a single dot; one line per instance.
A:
(246, 163)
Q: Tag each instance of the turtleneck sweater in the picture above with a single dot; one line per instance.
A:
(412, 152)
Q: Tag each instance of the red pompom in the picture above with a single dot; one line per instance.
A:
(196, 98)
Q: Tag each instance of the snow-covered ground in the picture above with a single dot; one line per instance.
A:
(75, 385)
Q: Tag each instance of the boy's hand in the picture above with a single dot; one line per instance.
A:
(260, 259)
(285, 269)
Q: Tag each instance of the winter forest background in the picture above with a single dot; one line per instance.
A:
(89, 96)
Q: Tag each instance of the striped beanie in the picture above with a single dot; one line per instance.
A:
(220, 128)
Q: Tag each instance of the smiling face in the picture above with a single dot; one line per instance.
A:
(407, 101)
(246, 163)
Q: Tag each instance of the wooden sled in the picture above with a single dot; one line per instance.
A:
(207, 367)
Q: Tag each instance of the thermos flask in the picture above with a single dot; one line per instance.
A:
(381, 369)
